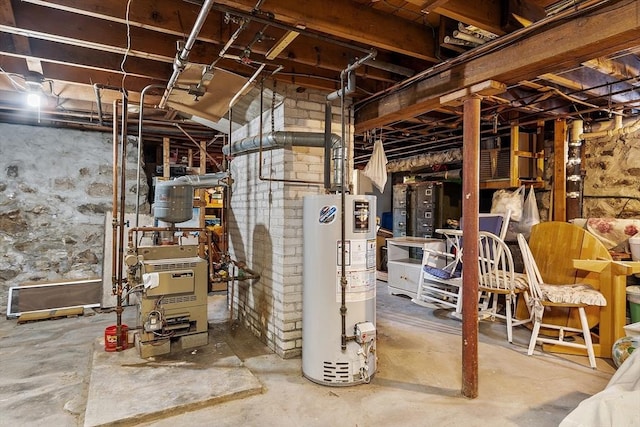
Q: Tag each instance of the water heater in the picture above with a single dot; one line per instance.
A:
(327, 357)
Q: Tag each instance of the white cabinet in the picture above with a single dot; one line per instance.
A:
(404, 261)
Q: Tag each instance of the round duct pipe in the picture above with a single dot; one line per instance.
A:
(283, 139)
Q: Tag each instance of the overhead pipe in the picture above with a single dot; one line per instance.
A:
(618, 129)
(180, 61)
(278, 139)
(385, 66)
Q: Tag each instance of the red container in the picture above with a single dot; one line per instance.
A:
(111, 337)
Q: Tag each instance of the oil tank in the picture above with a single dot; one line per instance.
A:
(324, 360)
(173, 201)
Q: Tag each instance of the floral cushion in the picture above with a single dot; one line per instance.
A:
(572, 294)
(612, 232)
(519, 280)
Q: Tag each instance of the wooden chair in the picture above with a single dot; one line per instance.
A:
(497, 277)
(543, 296)
(442, 286)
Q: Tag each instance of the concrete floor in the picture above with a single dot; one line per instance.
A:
(49, 377)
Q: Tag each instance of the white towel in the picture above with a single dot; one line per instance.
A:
(376, 169)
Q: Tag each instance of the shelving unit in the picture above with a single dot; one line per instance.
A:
(521, 163)
(404, 262)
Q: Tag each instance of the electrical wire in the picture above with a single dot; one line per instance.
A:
(126, 53)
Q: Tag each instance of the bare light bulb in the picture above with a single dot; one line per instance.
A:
(33, 100)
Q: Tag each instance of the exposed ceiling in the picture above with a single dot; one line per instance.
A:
(541, 59)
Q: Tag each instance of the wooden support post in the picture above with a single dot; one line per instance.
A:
(166, 156)
(470, 209)
(514, 173)
(560, 154)
(203, 157)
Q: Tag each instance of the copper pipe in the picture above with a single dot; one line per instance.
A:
(143, 229)
(123, 179)
(114, 215)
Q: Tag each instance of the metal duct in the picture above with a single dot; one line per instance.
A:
(173, 201)
(203, 181)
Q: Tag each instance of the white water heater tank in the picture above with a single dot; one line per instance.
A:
(324, 360)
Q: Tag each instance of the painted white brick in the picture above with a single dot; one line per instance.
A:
(310, 106)
(288, 345)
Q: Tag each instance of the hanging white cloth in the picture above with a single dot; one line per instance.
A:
(376, 169)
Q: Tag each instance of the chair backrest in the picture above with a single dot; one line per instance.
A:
(496, 223)
(531, 268)
(495, 262)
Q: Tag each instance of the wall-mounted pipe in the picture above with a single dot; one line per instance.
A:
(574, 171)
(328, 145)
(139, 160)
(618, 129)
(180, 61)
(339, 162)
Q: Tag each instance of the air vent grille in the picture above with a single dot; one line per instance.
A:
(336, 372)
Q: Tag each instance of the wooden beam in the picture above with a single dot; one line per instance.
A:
(560, 153)
(157, 15)
(485, 15)
(7, 17)
(354, 22)
(566, 45)
(107, 33)
(486, 88)
(593, 83)
(428, 6)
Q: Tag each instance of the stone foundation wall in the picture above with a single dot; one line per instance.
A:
(611, 181)
(55, 187)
